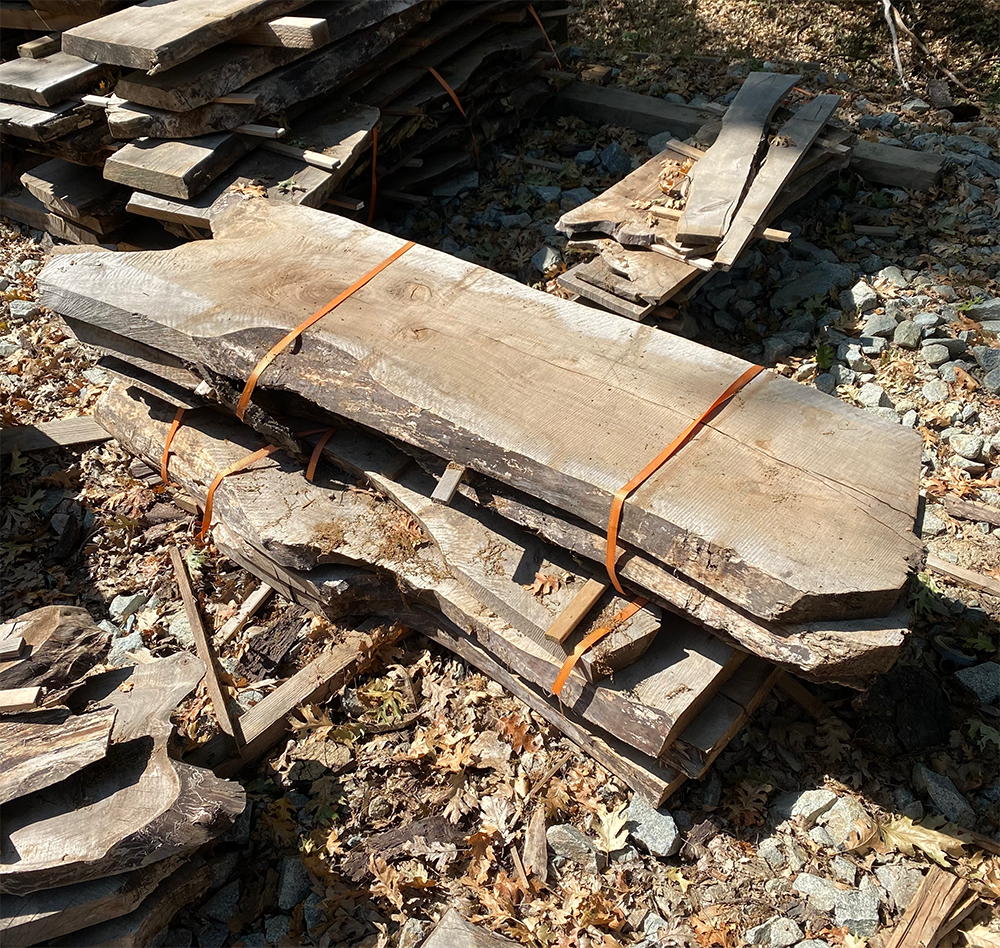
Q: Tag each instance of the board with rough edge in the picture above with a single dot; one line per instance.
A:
(49, 80)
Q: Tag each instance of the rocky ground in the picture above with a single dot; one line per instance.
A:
(812, 829)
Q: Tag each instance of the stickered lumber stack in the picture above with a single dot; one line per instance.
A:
(779, 537)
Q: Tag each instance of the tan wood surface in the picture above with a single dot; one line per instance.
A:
(49, 80)
(64, 432)
(572, 615)
(19, 699)
(295, 32)
(967, 577)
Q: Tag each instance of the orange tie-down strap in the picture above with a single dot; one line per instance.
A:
(317, 451)
(538, 20)
(241, 465)
(174, 425)
(458, 105)
(630, 610)
(614, 518)
(290, 337)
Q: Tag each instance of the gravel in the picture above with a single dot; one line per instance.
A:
(567, 841)
(776, 932)
(982, 680)
(655, 830)
(944, 795)
(294, 883)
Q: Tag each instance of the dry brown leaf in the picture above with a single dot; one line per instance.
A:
(544, 584)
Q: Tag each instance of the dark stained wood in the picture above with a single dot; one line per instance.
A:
(765, 437)
(20, 205)
(39, 47)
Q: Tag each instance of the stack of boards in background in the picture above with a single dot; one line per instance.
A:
(154, 110)
(491, 425)
(106, 834)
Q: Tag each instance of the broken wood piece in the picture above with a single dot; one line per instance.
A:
(47, 81)
(298, 32)
(966, 577)
(720, 179)
(453, 931)
(536, 853)
(448, 483)
(79, 193)
(314, 158)
(572, 615)
(261, 131)
(247, 611)
(40, 47)
(21, 205)
(235, 98)
(930, 910)
(43, 124)
(220, 701)
(11, 641)
(19, 699)
(967, 510)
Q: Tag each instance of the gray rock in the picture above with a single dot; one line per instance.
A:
(812, 943)
(935, 391)
(616, 159)
(567, 841)
(589, 157)
(916, 105)
(771, 853)
(955, 347)
(545, 259)
(909, 419)
(222, 905)
(126, 604)
(254, 940)
(968, 445)
(900, 884)
(974, 468)
(179, 627)
(574, 197)
(987, 357)
(843, 870)
(458, 185)
(991, 381)
(118, 653)
(515, 221)
(907, 804)
(776, 932)
(932, 526)
(982, 680)
(776, 348)
(313, 914)
(860, 298)
(944, 795)
(178, 938)
(855, 908)
(652, 923)
(825, 383)
(873, 396)
(23, 309)
(822, 838)
(817, 281)
(490, 217)
(842, 819)
(806, 805)
(907, 334)
(412, 932)
(928, 320)
(294, 883)
(935, 354)
(892, 275)
(873, 346)
(546, 194)
(213, 935)
(653, 829)
(987, 309)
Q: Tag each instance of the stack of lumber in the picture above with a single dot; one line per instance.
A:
(105, 833)
(687, 212)
(778, 538)
(288, 98)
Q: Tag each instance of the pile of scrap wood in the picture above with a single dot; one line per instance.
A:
(689, 212)
(441, 446)
(106, 834)
(157, 109)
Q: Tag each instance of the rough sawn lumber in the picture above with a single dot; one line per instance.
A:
(49, 80)
(788, 503)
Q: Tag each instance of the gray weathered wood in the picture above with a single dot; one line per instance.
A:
(79, 193)
(448, 483)
(22, 16)
(65, 432)
(40, 124)
(453, 931)
(896, 167)
(791, 143)
(49, 80)
(719, 180)
(20, 205)
(39, 47)
(597, 380)
(155, 35)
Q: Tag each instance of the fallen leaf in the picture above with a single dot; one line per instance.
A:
(543, 584)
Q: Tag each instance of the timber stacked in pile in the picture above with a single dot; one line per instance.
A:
(106, 835)
(689, 212)
(281, 96)
(778, 538)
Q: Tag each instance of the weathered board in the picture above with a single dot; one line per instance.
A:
(294, 32)
(79, 193)
(49, 80)
(20, 205)
(39, 47)
(40, 124)
(64, 432)
(155, 35)
(826, 493)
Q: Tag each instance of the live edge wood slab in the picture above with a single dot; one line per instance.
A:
(788, 503)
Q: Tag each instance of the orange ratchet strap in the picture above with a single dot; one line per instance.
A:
(174, 425)
(317, 452)
(240, 465)
(614, 518)
(458, 105)
(290, 337)
(538, 20)
(371, 199)
(630, 610)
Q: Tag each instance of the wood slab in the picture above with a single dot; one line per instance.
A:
(415, 336)
(39, 47)
(295, 32)
(48, 80)
(41, 124)
(79, 193)
(23, 16)
(155, 35)
(42, 748)
(720, 179)
(20, 205)
(64, 432)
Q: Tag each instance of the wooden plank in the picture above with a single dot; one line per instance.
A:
(39, 47)
(40, 124)
(791, 143)
(966, 577)
(896, 167)
(22, 16)
(966, 510)
(448, 483)
(296, 32)
(11, 641)
(18, 699)
(176, 169)
(453, 931)
(43, 748)
(155, 36)
(610, 105)
(248, 609)
(20, 205)
(651, 278)
(926, 917)
(79, 193)
(720, 179)
(65, 432)
(744, 452)
(600, 287)
(49, 80)
(36, 918)
(573, 614)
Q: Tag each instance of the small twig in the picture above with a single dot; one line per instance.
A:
(548, 775)
(887, 9)
(937, 62)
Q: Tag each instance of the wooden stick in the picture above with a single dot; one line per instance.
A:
(248, 610)
(204, 648)
(348, 203)
(448, 484)
(261, 131)
(315, 158)
(236, 98)
(937, 62)
(62, 433)
(567, 620)
(966, 510)
(19, 699)
(40, 46)
(967, 577)
(768, 233)
(930, 911)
